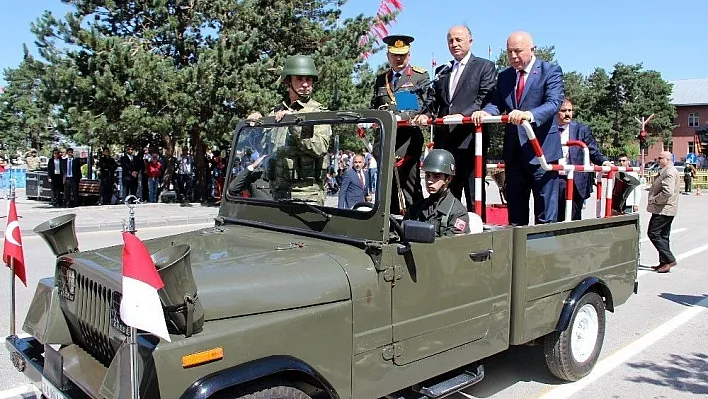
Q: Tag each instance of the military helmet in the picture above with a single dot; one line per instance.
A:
(439, 161)
(301, 65)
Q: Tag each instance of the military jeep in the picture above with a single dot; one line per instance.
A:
(301, 300)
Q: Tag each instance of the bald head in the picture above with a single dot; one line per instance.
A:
(520, 49)
(459, 41)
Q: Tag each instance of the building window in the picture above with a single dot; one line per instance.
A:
(691, 147)
(669, 147)
(693, 120)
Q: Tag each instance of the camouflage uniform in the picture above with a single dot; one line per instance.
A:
(297, 166)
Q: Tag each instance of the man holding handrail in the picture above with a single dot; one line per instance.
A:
(530, 90)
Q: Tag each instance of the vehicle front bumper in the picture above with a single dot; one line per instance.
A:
(28, 357)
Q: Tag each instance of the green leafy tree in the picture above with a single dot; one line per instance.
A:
(25, 119)
(186, 71)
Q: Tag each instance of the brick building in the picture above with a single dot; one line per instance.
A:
(690, 97)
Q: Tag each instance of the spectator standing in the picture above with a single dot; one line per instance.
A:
(132, 166)
(185, 166)
(663, 206)
(72, 176)
(107, 169)
(56, 177)
(153, 171)
(32, 161)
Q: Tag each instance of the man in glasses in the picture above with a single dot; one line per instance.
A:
(663, 206)
(631, 205)
(571, 130)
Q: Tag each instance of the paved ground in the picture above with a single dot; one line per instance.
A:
(111, 217)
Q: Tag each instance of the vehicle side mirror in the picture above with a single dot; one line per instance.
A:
(416, 231)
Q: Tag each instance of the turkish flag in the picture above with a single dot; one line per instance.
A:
(12, 248)
(140, 306)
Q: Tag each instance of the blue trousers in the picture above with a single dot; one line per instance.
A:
(522, 179)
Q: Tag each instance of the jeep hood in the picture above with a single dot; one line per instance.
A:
(241, 271)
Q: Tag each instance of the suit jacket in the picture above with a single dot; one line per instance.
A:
(664, 192)
(542, 96)
(128, 166)
(253, 182)
(581, 180)
(351, 191)
(51, 169)
(75, 168)
(474, 90)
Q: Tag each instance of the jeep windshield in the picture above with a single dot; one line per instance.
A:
(310, 172)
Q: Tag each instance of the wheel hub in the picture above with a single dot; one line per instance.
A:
(583, 338)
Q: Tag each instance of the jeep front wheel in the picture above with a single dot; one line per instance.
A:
(280, 392)
(572, 354)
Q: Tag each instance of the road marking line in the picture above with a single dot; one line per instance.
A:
(19, 391)
(621, 356)
(682, 256)
(646, 239)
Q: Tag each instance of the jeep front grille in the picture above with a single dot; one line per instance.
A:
(93, 303)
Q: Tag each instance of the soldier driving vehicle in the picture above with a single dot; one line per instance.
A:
(400, 90)
(297, 167)
(441, 208)
(290, 299)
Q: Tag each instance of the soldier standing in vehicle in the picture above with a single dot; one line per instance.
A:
(297, 162)
(441, 208)
(403, 81)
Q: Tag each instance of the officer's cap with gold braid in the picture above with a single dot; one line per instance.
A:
(398, 44)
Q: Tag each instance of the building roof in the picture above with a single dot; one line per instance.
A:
(690, 92)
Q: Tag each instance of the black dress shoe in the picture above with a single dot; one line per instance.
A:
(666, 268)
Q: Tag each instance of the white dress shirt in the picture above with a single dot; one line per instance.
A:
(457, 68)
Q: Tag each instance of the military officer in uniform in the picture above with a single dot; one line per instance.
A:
(441, 208)
(401, 78)
(296, 166)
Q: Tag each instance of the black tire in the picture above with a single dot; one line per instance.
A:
(279, 392)
(572, 354)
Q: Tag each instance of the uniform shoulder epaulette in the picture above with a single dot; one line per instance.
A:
(419, 69)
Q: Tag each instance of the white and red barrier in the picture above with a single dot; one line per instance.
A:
(538, 151)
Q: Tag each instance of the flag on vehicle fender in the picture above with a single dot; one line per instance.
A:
(140, 306)
(12, 248)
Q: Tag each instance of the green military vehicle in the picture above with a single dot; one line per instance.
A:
(298, 300)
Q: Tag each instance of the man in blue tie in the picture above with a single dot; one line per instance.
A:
(530, 90)
(72, 175)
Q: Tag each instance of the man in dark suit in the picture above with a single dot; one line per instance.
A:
(355, 185)
(55, 173)
(402, 78)
(582, 182)
(71, 168)
(461, 87)
(132, 166)
(530, 90)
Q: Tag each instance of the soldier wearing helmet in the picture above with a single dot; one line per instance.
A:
(296, 166)
(441, 208)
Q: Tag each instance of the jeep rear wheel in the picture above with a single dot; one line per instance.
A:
(280, 392)
(572, 354)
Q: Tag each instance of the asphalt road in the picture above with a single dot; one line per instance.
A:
(656, 345)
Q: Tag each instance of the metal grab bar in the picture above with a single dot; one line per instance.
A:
(538, 151)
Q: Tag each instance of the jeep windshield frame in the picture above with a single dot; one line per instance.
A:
(329, 221)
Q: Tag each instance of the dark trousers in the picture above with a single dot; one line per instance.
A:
(71, 191)
(577, 201)
(658, 233)
(521, 180)
(184, 186)
(131, 186)
(106, 191)
(57, 188)
(687, 184)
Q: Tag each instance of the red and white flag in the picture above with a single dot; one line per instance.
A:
(140, 306)
(12, 249)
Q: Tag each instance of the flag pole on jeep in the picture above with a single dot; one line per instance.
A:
(12, 253)
(130, 227)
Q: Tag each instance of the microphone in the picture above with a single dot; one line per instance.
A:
(446, 68)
